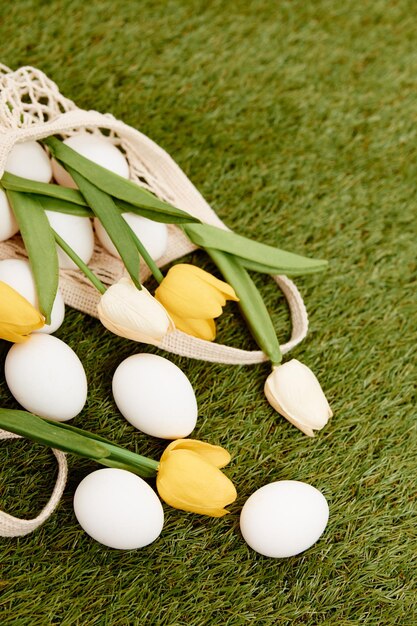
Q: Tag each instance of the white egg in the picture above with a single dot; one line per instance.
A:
(118, 509)
(29, 160)
(100, 150)
(46, 377)
(77, 232)
(18, 275)
(284, 518)
(155, 396)
(8, 224)
(153, 235)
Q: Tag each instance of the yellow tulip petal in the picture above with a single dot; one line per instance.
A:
(202, 329)
(14, 305)
(226, 289)
(187, 296)
(216, 455)
(18, 318)
(10, 335)
(194, 298)
(188, 482)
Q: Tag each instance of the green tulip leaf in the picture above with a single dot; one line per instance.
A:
(165, 217)
(263, 268)
(76, 441)
(62, 206)
(70, 197)
(51, 434)
(109, 215)
(116, 455)
(16, 183)
(111, 183)
(250, 303)
(257, 255)
(40, 245)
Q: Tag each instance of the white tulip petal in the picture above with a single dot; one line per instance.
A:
(294, 391)
(135, 314)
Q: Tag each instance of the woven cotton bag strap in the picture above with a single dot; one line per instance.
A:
(15, 527)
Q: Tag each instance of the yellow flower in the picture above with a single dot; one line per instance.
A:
(18, 318)
(134, 313)
(189, 478)
(193, 298)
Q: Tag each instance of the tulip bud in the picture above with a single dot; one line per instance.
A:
(134, 313)
(193, 298)
(294, 391)
(189, 478)
(18, 318)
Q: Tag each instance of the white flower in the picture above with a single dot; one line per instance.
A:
(134, 313)
(294, 391)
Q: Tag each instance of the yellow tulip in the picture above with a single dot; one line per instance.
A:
(189, 478)
(193, 298)
(18, 318)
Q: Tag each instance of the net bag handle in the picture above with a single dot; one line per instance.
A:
(11, 526)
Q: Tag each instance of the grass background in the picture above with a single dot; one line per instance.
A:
(297, 121)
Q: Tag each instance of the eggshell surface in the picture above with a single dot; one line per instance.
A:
(29, 160)
(46, 377)
(153, 235)
(100, 150)
(77, 232)
(155, 396)
(8, 224)
(18, 275)
(284, 518)
(118, 509)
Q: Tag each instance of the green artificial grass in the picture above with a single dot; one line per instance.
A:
(297, 122)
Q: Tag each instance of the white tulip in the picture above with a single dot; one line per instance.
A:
(134, 313)
(294, 391)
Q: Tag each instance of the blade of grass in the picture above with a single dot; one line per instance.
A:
(40, 245)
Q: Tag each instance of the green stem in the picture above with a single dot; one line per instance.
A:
(156, 272)
(131, 460)
(79, 262)
(76, 441)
